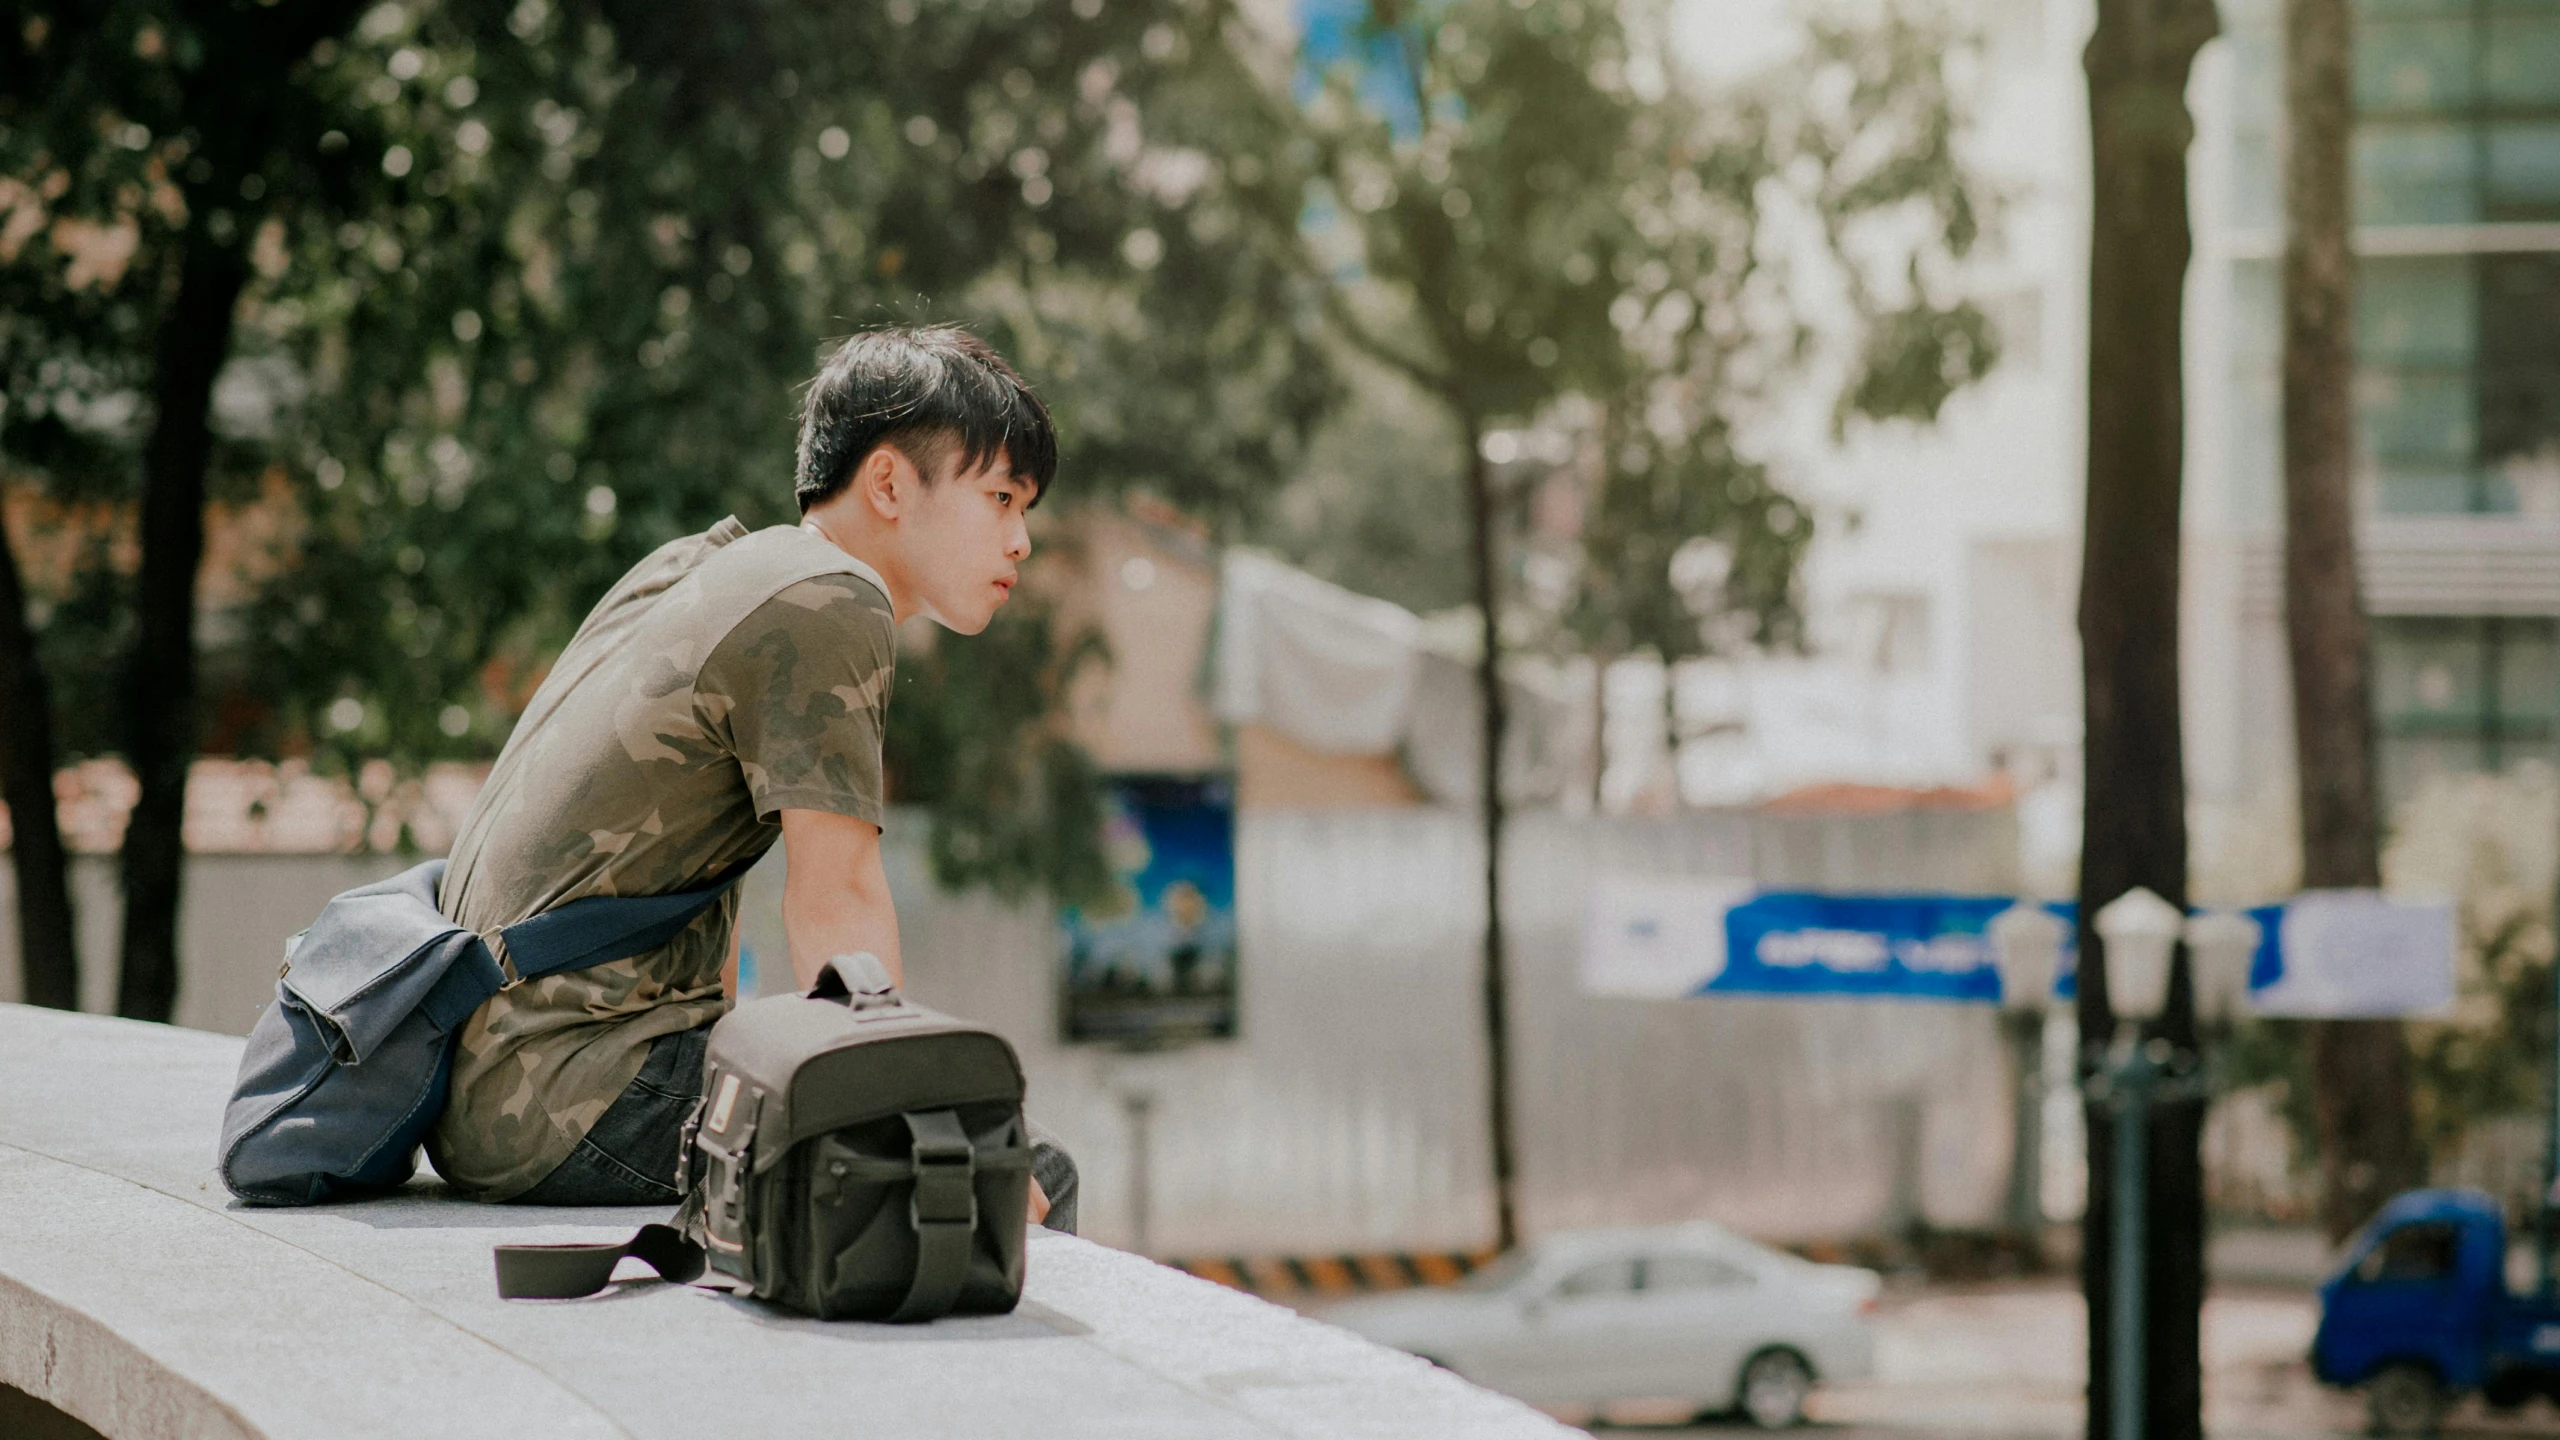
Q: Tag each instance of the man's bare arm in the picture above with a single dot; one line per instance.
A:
(835, 898)
(835, 901)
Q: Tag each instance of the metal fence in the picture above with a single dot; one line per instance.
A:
(1349, 1114)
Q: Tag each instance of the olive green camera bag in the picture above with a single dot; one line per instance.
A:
(854, 1156)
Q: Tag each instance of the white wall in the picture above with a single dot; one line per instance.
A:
(1349, 1115)
(1909, 514)
(234, 917)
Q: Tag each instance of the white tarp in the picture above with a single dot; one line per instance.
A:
(1546, 749)
(1331, 669)
(1652, 938)
(2354, 954)
(1349, 674)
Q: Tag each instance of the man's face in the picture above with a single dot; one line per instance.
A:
(964, 542)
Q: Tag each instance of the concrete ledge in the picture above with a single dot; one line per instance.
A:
(138, 1298)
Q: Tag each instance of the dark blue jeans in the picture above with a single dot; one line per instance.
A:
(629, 1156)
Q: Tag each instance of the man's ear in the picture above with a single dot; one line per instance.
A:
(885, 479)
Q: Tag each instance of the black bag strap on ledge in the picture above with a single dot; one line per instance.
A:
(565, 1272)
(942, 1209)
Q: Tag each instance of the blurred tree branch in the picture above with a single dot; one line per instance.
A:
(2369, 1148)
(1545, 217)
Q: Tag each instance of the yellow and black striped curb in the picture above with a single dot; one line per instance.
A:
(1336, 1274)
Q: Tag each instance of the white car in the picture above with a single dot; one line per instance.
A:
(1692, 1312)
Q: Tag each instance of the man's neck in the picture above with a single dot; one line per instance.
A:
(871, 555)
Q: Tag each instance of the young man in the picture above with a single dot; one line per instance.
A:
(729, 690)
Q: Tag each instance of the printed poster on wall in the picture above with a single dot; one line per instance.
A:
(1154, 961)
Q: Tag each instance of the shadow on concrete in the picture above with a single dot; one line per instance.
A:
(433, 1205)
(24, 1417)
(1030, 1320)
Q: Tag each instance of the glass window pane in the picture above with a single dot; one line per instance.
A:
(2522, 60)
(2416, 311)
(2427, 674)
(2415, 173)
(2519, 310)
(1692, 1272)
(2417, 400)
(2375, 12)
(2418, 417)
(1609, 1277)
(2520, 408)
(2417, 490)
(2413, 67)
(2528, 678)
(2413, 1252)
(2524, 171)
(2409, 764)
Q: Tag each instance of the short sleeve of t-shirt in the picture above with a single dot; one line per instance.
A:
(800, 690)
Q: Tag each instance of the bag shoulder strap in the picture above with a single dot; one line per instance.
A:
(565, 1272)
(600, 929)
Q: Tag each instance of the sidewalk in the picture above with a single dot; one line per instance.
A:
(2008, 1361)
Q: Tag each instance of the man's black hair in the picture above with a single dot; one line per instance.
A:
(933, 391)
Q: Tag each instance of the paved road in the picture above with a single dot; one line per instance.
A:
(2007, 1363)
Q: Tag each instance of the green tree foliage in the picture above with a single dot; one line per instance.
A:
(1533, 203)
(140, 142)
(572, 260)
(627, 232)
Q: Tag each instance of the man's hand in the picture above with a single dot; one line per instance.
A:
(835, 895)
(1039, 1202)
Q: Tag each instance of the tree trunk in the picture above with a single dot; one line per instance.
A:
(160, 680)
(48, 963)
(2133, 830)
(1483, 524)
(2360, 1068)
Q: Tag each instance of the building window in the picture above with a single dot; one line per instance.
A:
(2457, 108)
(2458, 124)
(2463, 694)
(2458, 384)
(2458, 111)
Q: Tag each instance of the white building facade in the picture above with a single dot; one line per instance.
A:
(1942, 587)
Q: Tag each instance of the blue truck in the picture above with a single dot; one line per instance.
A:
(2419, 1313)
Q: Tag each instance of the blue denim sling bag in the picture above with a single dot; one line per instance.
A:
(347, 1071)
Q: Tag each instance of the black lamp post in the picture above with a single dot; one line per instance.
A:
(2130, 1073)
(2126, 1073)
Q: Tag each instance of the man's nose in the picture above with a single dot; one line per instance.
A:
(1018, 544)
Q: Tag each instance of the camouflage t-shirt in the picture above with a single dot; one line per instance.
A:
(726, 678)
